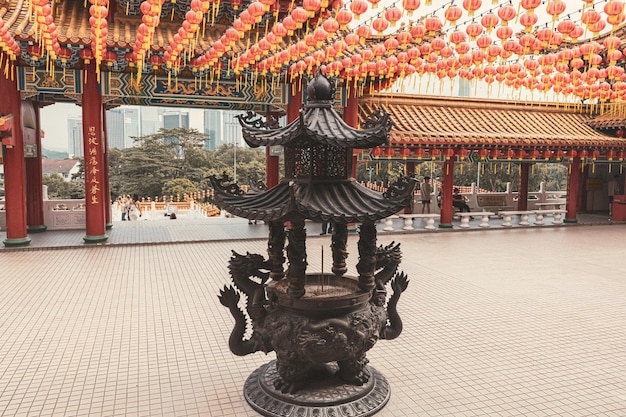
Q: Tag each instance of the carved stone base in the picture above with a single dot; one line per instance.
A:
(324, 396)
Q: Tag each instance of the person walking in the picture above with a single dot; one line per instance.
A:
(426, 190)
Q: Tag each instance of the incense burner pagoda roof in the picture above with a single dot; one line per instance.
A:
(319, 123)
(337, 201)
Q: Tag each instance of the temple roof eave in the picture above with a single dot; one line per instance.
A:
(421, 121)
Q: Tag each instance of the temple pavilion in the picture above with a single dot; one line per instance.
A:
(257, 55)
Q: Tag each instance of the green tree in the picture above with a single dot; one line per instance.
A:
(58, 188)
(179, 187)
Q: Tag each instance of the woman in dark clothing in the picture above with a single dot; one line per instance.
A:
(458, 201)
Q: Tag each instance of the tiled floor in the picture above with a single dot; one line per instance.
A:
(506, 322)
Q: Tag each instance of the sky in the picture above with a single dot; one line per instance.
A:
(54, 123)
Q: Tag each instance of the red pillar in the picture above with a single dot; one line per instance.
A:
(573, 185)
(351, 117)
(107, 185)
(522, 192)
(34, 181)
(271, 168)
(410, 170)
(14, 164)
(295, 103)
(446, 194)
(93, 141)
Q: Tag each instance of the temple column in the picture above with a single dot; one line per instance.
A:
(410, 172)
(107, 184)
(522, 192)
(351, 117)
(14, 164)
(294, 105)
(34, 181)
(446, 194)
(271, 168)
(93, 141)
(573, 185)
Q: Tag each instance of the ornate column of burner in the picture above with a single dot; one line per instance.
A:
(276, 250)
(339, 248)
(320, 324)
(296, 255)
(367, 256)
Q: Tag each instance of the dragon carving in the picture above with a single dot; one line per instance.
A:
(303, 342)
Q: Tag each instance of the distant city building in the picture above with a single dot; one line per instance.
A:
(222, 127)
(75, 136)
(151, 120)
(115, 128)
(122, 126)
(173, 119)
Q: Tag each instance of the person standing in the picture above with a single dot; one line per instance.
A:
(613, 190)
(126, 209)
(426, 190)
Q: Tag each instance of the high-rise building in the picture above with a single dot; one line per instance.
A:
(174, 119)
(75, 136)
(115, 128)
(131, 125)
(150, 119)
(222, 127)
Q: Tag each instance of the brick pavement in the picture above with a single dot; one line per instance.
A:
(507, 322)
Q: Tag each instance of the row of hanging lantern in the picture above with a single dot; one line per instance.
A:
(45, 31)
(509, 154)
(416, 48)
(8, 45)
(438, 59)
(99, 11)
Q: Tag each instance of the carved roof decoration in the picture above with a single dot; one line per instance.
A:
(481, 123)
(318, 123)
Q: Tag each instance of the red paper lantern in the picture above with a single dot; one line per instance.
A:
(614, 7)
(380, 24)
(432, 24)
(434, 153)
(453, 13)
(311, 6)
(418, 31)
(358, 7)
(343, 17)
(393, 14)
(471, 6)
(410, 5)
(300, 16)
(489, 21)
(473, 30)
(405, 152)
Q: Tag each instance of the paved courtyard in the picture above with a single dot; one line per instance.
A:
(508, 322)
